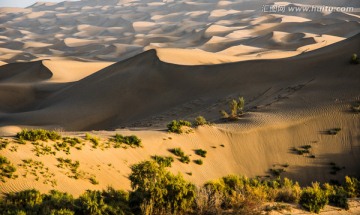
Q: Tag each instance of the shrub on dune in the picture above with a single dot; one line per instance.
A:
(38, 134)
(175, 126)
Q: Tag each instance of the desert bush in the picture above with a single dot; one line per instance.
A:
(157, 191)
(288, 191)
(201, 152)
(71, 166)
(333, 131)
(199, 162)
(177, 151)
(236, 109)
(313, 198)
(185, 159)
(94, 140)
(7, 170)
(132, 141)
(356, 107)
(38, 134)
(91, 203)
(175, 126)
(93, 180)
(56, 202)
(354, 59)
(163, 160)
(3, 144)
(42, 149)
(337, 196)
(276, 172)
(352, 187)
(200, 120)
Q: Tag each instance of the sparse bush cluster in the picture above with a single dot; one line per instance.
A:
(72, 166)
(94, 140)
(7, 170)
(236, 109)
(42, 149)
(3, 143)
(180, 153)
(176, 126)
(38, 134)
(37, 169)
(132, 141)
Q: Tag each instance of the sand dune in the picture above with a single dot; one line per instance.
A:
(179, 24)
(290, 104)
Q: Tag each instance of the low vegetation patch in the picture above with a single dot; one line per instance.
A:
(94, 140)
(165, 161)
(201, 152)
(177, 151)
(236, 109)
(124, 141)
(333, 131)
(302, 150)
(200, 120)
(199, 162)
(38, 134)
(314, 198)
(356, 107)
(72, 166)
(176, 126)
(180, 153)
(7, 170)
(155, 190)
(335, 168)
(3, 143)
(42, 149)
(354, 59)
(37, 170)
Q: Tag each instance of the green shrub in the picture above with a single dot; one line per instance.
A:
(201, 152)
(175, 126)
(157, 191)
(200, 120)
(337, 196)
(177, 151)
(184, 159)
(91, 203)
(132, 141)
(7, 170)
(94, 140)
(3, 144)
(236, 109)
(199, 162)
(277, 172)
(93, 180)
(163, 160)
(352, 187)
(354, 59)
(313, 198)
(71, 166)
(38, 134)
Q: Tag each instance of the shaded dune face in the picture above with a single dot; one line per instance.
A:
(98, 30)
(143, 88)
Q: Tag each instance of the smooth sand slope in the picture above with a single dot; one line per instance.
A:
(219, 31)
(291, 103)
